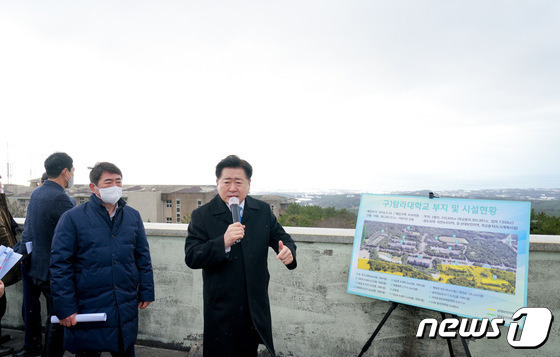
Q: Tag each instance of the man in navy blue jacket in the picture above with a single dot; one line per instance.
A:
(101, 264)
(48, 202)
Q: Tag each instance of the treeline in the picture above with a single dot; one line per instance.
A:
(490, 251)
(542, 223)
(551, 208)
(315, 216)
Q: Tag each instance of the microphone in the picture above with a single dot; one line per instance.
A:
(234, 206)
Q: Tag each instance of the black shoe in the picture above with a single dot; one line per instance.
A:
(4, 339)
(4, 351)
(28, 352)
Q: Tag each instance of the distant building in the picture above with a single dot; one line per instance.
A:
(422, 262)
(278, 204)
(156, 203)
(408, 248)
(446, 252)
(18, 193)
(167, 203)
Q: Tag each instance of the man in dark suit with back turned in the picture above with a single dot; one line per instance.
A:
(48, 202)
(234, 257)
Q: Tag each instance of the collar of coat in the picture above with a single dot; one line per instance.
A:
(218, 207)
(52, 184)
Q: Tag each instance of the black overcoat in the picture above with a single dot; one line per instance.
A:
(235, 284)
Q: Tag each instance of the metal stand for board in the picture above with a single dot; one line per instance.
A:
(463, 341)
(368, 343)
(388, 313)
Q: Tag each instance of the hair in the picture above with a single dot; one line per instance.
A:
(233, 161)
(44, 177)
(56, 163)
(101, 167)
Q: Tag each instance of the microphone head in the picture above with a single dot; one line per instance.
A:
(233, 201)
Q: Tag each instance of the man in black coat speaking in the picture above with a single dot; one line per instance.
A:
(233, 257)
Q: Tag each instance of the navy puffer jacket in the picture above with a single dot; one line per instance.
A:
(99, 264)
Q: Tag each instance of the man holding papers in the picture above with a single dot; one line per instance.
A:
(101, 264)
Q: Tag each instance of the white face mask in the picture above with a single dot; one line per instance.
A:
(110, 195)
(71, 181)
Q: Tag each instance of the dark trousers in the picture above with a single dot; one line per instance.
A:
(54, 333)
(31, 311)
(246, 340)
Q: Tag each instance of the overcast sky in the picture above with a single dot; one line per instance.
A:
(363, 95)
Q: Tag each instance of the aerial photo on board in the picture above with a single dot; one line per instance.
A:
(481, 260)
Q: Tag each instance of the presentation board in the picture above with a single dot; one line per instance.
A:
(459, 256)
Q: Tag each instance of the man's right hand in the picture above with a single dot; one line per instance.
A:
(234, 232)
(69, 321)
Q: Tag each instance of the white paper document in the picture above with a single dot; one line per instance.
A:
(29, 247)
(8, 258)
(101, 316)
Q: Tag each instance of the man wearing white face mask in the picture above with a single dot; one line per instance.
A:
(101, 264)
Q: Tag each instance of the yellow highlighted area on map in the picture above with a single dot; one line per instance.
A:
(462, 275)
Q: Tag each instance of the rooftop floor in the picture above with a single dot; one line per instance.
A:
(141, 351)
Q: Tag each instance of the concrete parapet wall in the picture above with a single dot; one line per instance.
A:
(312, 314)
